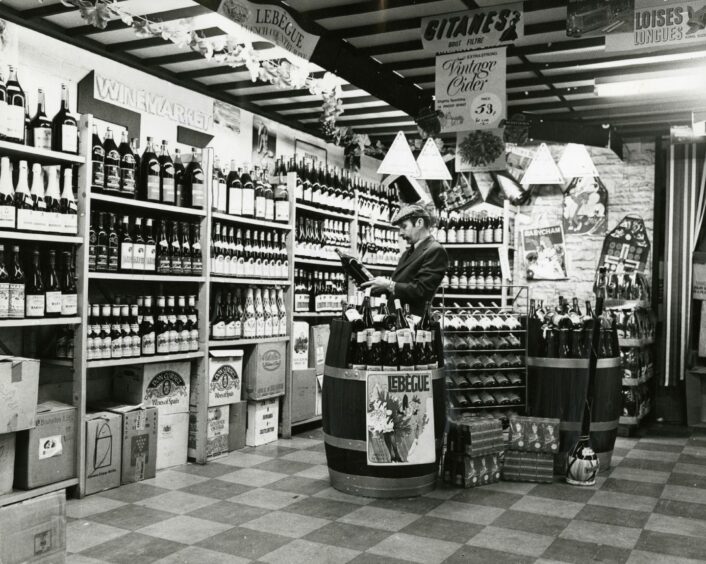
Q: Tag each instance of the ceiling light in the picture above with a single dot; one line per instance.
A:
(651, 84)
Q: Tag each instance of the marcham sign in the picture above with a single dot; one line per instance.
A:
(271, 23)
(473, 29)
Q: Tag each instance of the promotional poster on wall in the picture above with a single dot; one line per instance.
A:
(586, 207)
(545, 253)
(226, 115)
(264, 142)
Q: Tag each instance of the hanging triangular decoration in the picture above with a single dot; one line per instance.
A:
(399, 159)
(431, 164)
(542, 169)
(576, 162)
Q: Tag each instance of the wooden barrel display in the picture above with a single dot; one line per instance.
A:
(345, 405)
(557, 387)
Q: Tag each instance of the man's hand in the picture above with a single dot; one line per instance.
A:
(379, 284)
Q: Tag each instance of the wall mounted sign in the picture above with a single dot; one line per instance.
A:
(470, 89)
(473, 29)
(545, 253)
(264, 141)
(627, 247)
(586, 207)
(271, 23)
(588, 18)
(660, 23)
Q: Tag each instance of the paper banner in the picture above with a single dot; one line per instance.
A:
(470, 90)
(576, 162)
(399, 158)
(542, 169)
(545, 253)
(431, 164)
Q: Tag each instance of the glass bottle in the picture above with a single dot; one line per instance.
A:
(34, 290)
(194, 182)
(97, 161)
(64, 126)
(17, 286)
(112, 163)
(4, 286)
(15, 109)
(128, 168)
(39, 126)
(69, 295)
(166, 175)
(150, 179)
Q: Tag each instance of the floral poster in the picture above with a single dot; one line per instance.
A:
(545, 253)
(400, 418)
(585, 206)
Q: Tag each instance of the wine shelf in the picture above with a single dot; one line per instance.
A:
(462, 246)
(485, 369)
(485, 388)
(252, 221)
(626, 304)
(483, 351)
(241, 342)
(384, 267)
(218, 279)
(447, 297)
(147, 206)
(144, 277)
(639, 381)
(16, 496)
(376, 222)
(494, 406)
(635, 342)
(39, 321)
(315, 313)
(144, 359)
(43, 237)
(36, 155)
(326, 213)
(322, 262)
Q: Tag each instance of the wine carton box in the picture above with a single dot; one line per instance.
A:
(318, 343)
(216, 431)
(534, 434)
(319, 395)
(19, 385)
(47, 453)
(7, 217)
(172, 439)
(303, 394)
(7, 462)
(34, 530)
(300, 342)
(103, 451)
(237, 423)
(263, 422)
(164, 385)
(31, 220)
(265, 370)
(225, 377)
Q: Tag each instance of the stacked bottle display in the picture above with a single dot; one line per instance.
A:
(254, 193)
(137, 245)
(474, 277)
(241, 252)
(37, 284)
(318, 291)
(390, 341)
(320, 238)
(470, 228)
(634, 323)
(627, 286)
(152, 325)
(378, 245)
(154, 176)
(58, 134)
(375, 201)
(37, 198)
(248, 313)
(326, 188)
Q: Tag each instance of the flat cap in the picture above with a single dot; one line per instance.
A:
(410, 211)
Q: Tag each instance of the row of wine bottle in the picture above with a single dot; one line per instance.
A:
(485, 380)
(318, 291)
(470, 227)
(476, 276)
(133, 246)
(122, 330)
(464, 400)
(250, 314)
(260, 254)
(59, 133)
(378, 246)
(319, 238)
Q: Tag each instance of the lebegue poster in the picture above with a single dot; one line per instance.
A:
(400, 418)
(470, 89)
(545, 253)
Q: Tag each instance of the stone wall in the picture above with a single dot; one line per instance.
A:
(630, 185)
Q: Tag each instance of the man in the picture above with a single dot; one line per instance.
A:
(421, 267)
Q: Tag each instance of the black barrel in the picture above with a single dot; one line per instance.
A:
(606, 409)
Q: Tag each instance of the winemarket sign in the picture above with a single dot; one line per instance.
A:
(271, 23)
(473, 29)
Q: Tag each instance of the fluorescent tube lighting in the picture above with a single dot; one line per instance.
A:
(648, 85)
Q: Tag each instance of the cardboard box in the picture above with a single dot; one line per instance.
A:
(7, 462)
(528, 467)
(216, 431)
(300, 345)
(34, 530)
(263, 422)
(303, 394)
(139, 440)
(103, 451)
(47, 453)
(265, 370)
(19, 384)
(480, 470)
(478, 436)
(164, 385)
(319, 395)
(534, 434)
(225, 377)
(172, 439)
(237, 423)
(318, 344)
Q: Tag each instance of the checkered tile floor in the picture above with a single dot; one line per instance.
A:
(274, 504)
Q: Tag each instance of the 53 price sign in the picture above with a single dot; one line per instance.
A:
(485, 109)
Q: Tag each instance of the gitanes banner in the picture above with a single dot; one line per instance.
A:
(470, 89)
(659, 23)
(473, 29)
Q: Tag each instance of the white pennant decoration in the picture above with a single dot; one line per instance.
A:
(399, 159)
(542, 169)
(431, 164)
(575, 161)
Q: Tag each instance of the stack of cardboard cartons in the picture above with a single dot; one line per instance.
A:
(474, 446)
(310, 344)
(532, 445)
(265, 367)
(225, 423)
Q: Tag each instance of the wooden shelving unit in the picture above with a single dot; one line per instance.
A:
(36, 155)
(246, 342)
(16, 496)
(40, 237)
(219, 279)
(147, 206)
(123, 277)
(251, 221)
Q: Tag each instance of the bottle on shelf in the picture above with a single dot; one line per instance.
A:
(150, 179)
(52, 288)
(4, 286)
(17, 286)
(67, 202)
(40, 128)
(148, 338)
(179, 180)
(128, 168)
(194, 183)
(15, 109)
(7, 194)
(35, 301)
(64, 126)
(281, 194)
(97, 161)
(23, 198)
(112, 163)
(69, 293)
(166, 176)
(235, 190)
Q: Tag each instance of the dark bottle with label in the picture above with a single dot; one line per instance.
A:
(162, 326)
(147, 329)
(69, 296)
(185, 250)
(150, 174)
(353, 267)
(40, 126)
(194, 182)
(174, 250)
(97, 161)
(92, 240)
(248, 205)
(196, 251)
(15, 110)
(101, 244)
(17, 286)
(166, 175)
(4, 286)
(138, 247)
(112, 163)
(179, 172)
(113, 244)
(52, 288)
(34, 289)
(126, 247)
(150, 247)
(163, 265)
(128, 168)
(64, 126)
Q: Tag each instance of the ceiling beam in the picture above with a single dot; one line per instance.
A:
(384, 109)
(286, 94)
(49, 10)
(401, 120)
(135, 44)
(166, 16)
(360, 8)
(171, 59)
(249, 83)
(306, 105)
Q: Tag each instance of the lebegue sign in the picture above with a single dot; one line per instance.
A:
(187, 111)
(473, 29)
(272, 23)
